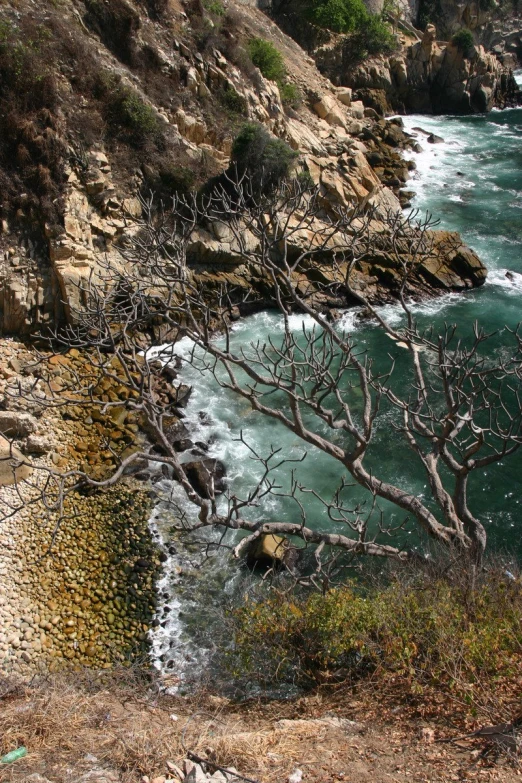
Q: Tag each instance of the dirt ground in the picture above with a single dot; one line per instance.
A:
(76, 725)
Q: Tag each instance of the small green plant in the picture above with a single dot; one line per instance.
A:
(215, 7)
(340, 16)
(232, 101)
(290, 95)
(268, 59)
(126, 111)
(463, 40)
(373, 36)
(368, 33)
(265, 159)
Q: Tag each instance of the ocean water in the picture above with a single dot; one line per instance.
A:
(471, 182)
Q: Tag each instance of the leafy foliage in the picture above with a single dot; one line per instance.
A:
(463, 40)
(340, 16)
(369, 34)
(426, 633)
(290, 95)
(232, 101)
(265, 159)
(127, 113)
(372, 37)
(269, 60)
(215, 7)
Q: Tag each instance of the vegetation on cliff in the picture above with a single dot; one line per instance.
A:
(432, 633)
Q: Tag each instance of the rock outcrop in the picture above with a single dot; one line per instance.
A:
(429, 76)
(345, 148)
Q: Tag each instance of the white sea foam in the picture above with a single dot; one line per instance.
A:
(504, 278)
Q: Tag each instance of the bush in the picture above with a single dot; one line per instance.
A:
(369, 33)
(266, 57)
(463, 40)
(372, 37)
(340, 16)
(270, 62)
(265, 159)
(232, 101)
(419, 635)
(215, 7)
(128, 115)
(290, 95)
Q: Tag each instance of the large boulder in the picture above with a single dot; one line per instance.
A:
(17, 425)
(270, 550)
(13, 467)
(207, 476)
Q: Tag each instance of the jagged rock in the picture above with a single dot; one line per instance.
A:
(17, 425)
(431, 77)
(12, 467)
(328, 109)
(196, 775)
(270, 549)
(178, 435)
(38, 444)
(207, 476)
(344, 95)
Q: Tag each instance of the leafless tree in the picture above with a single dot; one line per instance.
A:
(461, 412)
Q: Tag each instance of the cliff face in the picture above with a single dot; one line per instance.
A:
(431, 77)
(148, 96)
(494, 24)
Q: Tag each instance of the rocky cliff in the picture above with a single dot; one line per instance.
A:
(143, 97)
(429, 76)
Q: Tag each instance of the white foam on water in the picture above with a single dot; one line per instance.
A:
(504, 278)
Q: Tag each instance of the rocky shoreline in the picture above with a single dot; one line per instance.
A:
(82, 594)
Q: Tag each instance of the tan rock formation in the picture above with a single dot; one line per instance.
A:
(430, 76)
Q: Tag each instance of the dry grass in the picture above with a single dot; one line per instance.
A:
(122, 719)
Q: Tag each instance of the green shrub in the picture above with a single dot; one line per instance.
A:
(265, 159)
(463, 40)
(422, 634)
(232, 101)
(215, 7)
(373, 36)
(266, 57)
(369, 33)
(128, 115)
(340, 16)
(290, 95)
(270, 62)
